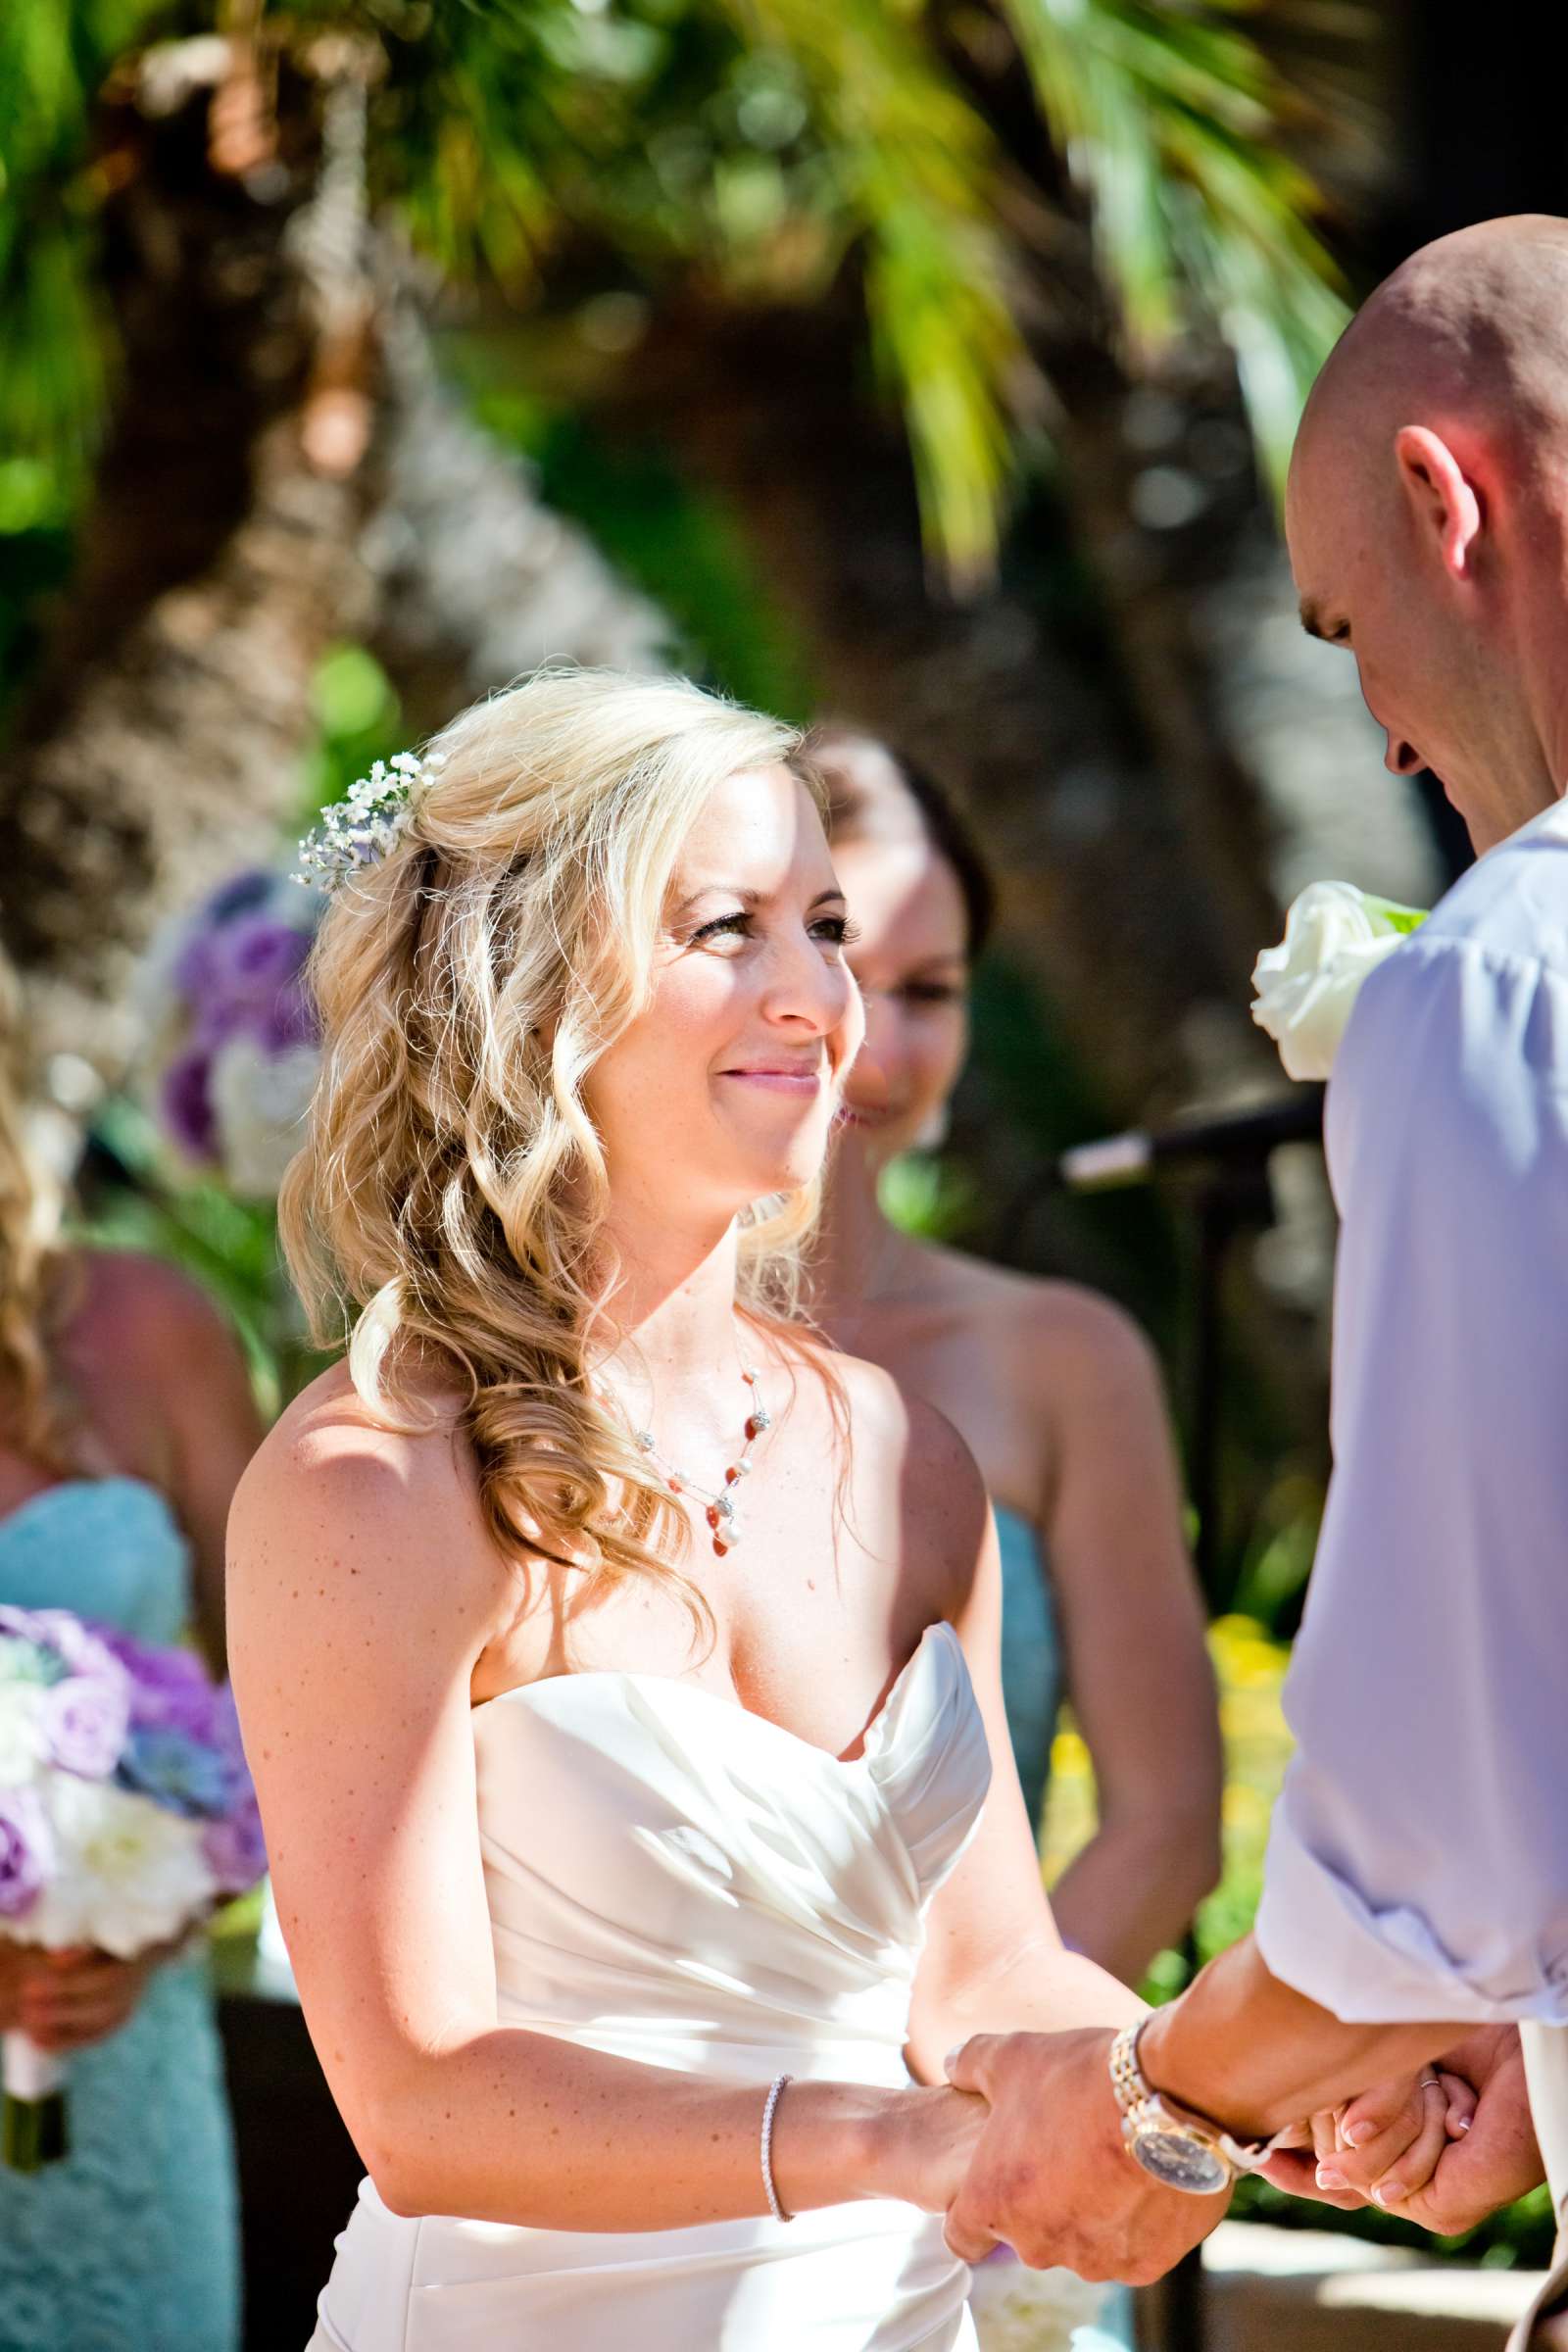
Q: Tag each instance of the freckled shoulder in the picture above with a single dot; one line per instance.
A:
(376, 1514)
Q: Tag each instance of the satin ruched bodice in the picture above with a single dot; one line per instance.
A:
(675, 1879)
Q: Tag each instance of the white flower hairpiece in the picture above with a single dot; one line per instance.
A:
(372, 821)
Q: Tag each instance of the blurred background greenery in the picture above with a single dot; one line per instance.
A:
(931, 365)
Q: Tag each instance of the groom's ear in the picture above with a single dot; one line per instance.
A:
(1443, 502)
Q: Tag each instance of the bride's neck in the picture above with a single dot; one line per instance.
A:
(674, 1300)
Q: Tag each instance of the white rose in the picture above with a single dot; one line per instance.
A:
(259, 1101)
(1334, 936)
(130, 1873)
(21, 1734)
(1018, 2310)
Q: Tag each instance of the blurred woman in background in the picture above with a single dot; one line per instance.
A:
(1054, 1388)
(126, 1419)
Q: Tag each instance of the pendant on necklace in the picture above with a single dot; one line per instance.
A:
(719, 1503)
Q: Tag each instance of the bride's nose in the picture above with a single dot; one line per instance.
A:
(804, 989)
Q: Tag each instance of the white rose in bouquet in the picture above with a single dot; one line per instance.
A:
(1334, 936)
(130, 1873)
(22, 1733)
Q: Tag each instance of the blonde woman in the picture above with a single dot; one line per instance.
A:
(644, 1833)
(126, 1419)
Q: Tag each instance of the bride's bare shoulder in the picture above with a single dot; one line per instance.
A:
(336, 1480)
(904, 1454)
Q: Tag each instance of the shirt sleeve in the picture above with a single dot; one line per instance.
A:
(1418, 1861)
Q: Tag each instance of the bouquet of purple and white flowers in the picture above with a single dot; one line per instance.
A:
(235, 1049)
(126, 1812)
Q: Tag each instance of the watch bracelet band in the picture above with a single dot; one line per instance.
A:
(1141, 2106)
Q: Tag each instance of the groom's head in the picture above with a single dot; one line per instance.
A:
(1427, 515)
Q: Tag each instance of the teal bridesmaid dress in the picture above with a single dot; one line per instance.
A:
(130, 2245)
(1032, 1689)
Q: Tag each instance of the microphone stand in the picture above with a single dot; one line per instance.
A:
(1222, 1165)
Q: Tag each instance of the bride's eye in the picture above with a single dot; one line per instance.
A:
(735, 926)
(837, 929)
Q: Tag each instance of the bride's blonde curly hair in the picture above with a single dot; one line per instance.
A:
(448, 1202)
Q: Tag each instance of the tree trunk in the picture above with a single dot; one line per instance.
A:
(160, 745)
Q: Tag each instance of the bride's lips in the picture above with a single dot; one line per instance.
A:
(778, 1078)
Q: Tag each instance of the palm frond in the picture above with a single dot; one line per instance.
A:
(918, 169)
(1168, 118)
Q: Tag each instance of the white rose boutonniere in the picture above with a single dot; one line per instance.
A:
(1334, 936)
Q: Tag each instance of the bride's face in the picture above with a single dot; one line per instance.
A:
(724, 1088)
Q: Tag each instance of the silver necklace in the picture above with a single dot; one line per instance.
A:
(718, 1502)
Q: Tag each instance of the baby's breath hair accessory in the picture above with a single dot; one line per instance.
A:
(355, 832)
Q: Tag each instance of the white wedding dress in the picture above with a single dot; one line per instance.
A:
(675, 1879)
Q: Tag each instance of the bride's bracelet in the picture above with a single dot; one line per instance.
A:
(771, 2106)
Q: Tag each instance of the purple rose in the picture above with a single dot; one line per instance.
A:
(186, 1103)
(26, 1851)
(169, 1688)
(248, 962)
(199, 961)
(241, 893)
(291, 1019)
(234, 1849)
(84, 1722)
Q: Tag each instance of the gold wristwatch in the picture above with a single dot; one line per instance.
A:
(1175, 2147)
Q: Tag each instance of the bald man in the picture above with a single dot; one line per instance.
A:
(1414, 1921)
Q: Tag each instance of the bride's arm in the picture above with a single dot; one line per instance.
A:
(363, 1589)
(993, 1961)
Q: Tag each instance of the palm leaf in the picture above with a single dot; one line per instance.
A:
(1168, 120)
(917, 171)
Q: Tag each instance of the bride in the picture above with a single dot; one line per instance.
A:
(619, 1665)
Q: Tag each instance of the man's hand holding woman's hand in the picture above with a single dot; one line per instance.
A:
(1051, 2177)
(1443, 2157)
(1048, 2173)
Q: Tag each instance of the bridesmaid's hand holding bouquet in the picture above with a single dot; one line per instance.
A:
(126, 1813)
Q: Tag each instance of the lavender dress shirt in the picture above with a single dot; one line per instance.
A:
(1418, 1863)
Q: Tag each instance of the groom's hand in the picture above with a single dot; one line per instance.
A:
(1051, 2177)
(1489, 2164)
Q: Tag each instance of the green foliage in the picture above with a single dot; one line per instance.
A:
(228, 1246)
(751, 150)
(927, 1197)
(54, 58)
(1168, 117)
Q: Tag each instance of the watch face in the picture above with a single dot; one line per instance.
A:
(1179, 2162)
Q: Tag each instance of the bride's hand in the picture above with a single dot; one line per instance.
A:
(930, 2138)
(1384, 2145)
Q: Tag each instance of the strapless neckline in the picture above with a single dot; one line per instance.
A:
(940, 1633)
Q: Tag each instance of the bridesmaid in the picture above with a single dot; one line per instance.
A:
(1055, 1389)
(126, 1419)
